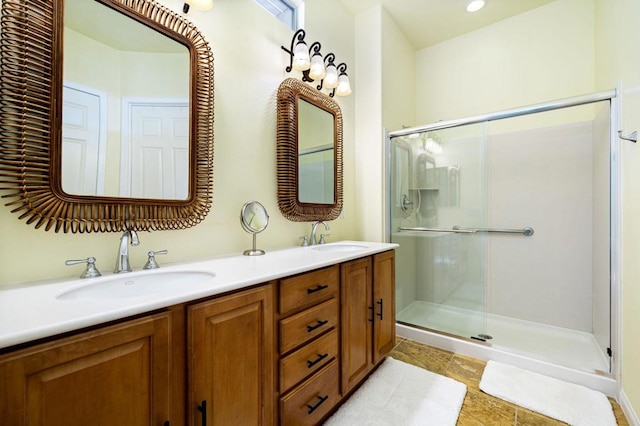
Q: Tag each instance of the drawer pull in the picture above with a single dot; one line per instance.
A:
(318, 288)
(320, 323)
(372, 316)
(312, 408)
(317, 360)
(381, 309)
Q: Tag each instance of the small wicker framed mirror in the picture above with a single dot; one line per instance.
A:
(309, 153)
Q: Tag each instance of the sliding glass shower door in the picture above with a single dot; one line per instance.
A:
(504, 229)
(438, 202)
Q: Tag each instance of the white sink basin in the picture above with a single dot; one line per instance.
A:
(339, 247)
(142, 284)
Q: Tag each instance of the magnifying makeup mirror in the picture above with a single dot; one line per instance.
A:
(254, 219)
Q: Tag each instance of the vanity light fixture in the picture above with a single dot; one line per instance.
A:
(314, 67)
(197, 4)
(475, 5)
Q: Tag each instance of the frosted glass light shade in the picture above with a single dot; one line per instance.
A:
(344, 88)
(301, 60)
(317, 71)
(331, 79)
(200, 4)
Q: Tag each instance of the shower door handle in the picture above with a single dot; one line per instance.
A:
(527, 231)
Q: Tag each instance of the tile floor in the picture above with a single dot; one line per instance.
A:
(478, 408)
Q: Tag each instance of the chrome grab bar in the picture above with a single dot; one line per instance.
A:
(527, 232)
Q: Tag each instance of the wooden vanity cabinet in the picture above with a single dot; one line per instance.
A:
(368, 315)
(115, 375)
(308, 346)
(286, 352)
(230, 359)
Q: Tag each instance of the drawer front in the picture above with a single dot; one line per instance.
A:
(302, 327)
(309, 403)
(307, 360)
(308, 289)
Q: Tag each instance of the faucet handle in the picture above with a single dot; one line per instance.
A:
(322, 240)
(305, 241)
(91, 271)
(151, 261)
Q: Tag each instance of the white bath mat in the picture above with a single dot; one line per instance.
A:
(567, 402)
(398, 393)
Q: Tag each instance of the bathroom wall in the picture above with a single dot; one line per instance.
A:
(541, 55)
(617, 63)
(249, 66)
(386, 76)
(542, 178)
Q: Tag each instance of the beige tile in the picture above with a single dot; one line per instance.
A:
(487, 410)
(617, 411)
(432, 359)
(526, 417)
(466, 370)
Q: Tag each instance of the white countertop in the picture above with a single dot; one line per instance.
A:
(30, 311)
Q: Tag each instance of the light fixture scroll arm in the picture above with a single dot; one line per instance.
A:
(300, 36)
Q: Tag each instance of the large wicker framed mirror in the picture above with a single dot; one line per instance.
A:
(43, 68)
(309, 153)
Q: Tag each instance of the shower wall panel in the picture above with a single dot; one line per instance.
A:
(542, 178)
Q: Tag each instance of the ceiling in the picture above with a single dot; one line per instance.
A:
(429, 22)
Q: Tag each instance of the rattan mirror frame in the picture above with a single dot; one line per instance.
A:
(31, 131)
(289, 92)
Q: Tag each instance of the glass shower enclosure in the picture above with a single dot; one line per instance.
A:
(503, 226)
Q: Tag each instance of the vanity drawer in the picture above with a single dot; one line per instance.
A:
(307, 360)
(306, 325)
(308, 289)
(310, 402)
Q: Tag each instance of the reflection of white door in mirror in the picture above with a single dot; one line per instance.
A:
(83, 143)
(158, 148)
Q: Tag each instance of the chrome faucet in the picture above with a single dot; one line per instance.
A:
(122, 261)
(312, 238)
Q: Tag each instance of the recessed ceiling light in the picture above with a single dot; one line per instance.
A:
(475, 5)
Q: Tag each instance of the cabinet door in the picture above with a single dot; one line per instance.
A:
(231, 349)
(384, 331)
(357, 328)
(116, 375)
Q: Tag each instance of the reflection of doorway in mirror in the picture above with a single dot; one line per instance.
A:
(83, 140)
(155, 151)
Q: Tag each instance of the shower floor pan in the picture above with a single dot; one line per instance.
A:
(556, 345)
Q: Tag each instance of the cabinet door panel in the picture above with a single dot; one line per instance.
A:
(357, 314)
(231, 358)
(384, 331)
(115, 375)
